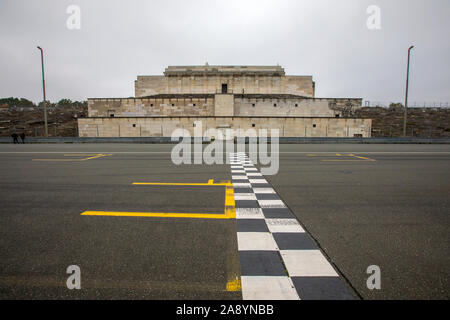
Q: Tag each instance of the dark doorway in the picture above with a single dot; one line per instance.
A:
(224, 88)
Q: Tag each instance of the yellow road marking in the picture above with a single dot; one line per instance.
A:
(234, 285)
(364, 158)
(352, 160)
(156, 214)
(178, 184)
(89, 157)
(229, 211)
(351, 155)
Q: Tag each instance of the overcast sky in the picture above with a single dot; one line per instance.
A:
(328, 39)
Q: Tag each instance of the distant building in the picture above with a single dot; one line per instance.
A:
(237, 97)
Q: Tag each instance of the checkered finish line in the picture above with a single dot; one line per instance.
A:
(279, 261)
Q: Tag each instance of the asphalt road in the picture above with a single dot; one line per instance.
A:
(42, 231)
(385, 205)
(393, 212)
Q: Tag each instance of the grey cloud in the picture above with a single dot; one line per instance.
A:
(327, 39)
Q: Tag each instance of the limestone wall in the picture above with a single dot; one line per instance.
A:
(150, 107)
(222, 105)
(163, 127)
(294, 107)
(237, 84)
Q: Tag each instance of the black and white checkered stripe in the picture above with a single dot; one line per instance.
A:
(279, 260)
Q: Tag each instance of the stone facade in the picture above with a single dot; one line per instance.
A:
(238, 97)
(213, 79)
(220, 105)
(151, 107)
(164, 126)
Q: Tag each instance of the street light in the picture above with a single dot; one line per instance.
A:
(43, 89)
(406, 94)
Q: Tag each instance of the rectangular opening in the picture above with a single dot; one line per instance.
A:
(224, 88)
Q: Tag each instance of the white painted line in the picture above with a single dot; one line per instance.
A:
(241, 185)
(256, 241)
(250, 169)
(258, 181)
(237, 171)
(284, 225)
(271, 204)
(263, 190)
(249, 213)
(239, 177)
(237, 167)
(254, 174)
(268, 288)
(307, 263)
(244, 196)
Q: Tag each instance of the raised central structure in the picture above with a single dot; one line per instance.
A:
(224, 79)
(238, 97)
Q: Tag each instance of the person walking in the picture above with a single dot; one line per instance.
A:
(15, 137)
(22, 137)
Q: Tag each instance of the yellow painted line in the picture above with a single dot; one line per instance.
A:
(93, 157)
(157, 214)
(364, 158)
(230, 205)
(79, 155)
(179, 184)
(58, 160)
(89, 157)
(229, 211)
(348, 160)
(234, 285)
(351, 155)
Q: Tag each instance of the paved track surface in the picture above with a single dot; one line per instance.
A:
(385, 205)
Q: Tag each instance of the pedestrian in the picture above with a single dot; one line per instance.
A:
(15, 137)
(22, 137)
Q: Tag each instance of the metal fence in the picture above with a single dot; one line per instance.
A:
(285, 140)
(412, 104)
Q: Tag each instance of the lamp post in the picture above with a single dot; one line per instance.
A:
(406, 94)
(43, 89)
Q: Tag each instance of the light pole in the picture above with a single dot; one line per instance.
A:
(406, 94)
(43, 89)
